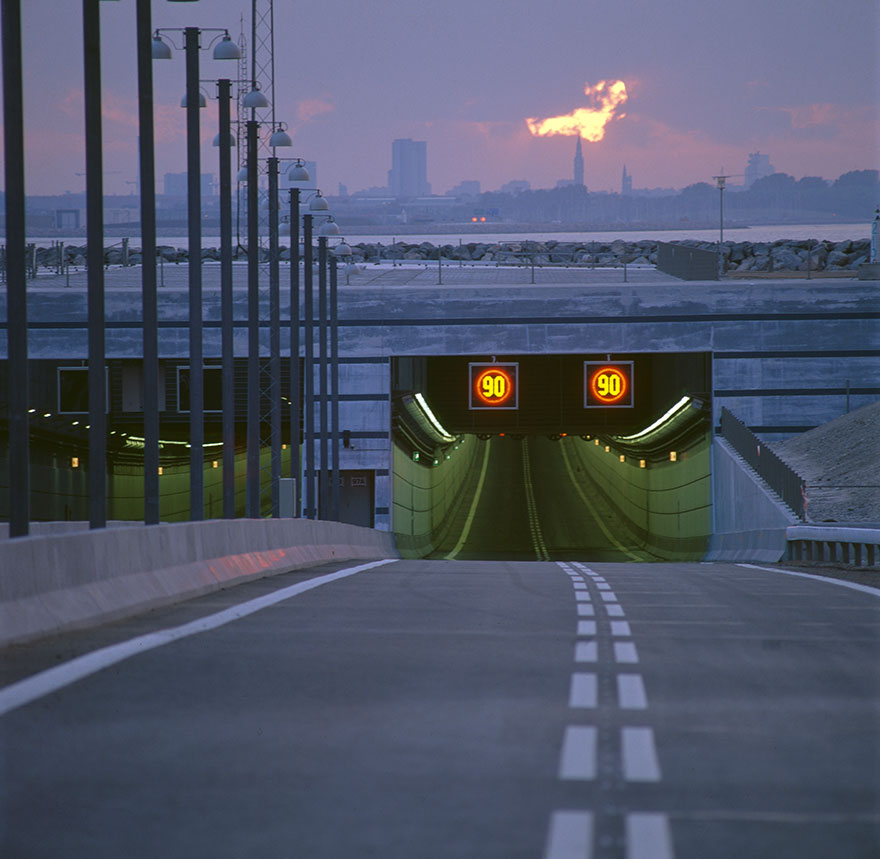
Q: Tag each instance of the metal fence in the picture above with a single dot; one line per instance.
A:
(785, 482)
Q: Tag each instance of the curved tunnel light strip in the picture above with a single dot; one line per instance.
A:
(683, 403)
(426, 409)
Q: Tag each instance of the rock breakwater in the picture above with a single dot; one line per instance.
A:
(784, 255)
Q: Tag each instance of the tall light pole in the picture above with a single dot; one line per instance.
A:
(16, 283)
(720, 182)
(227, 360)
(149, 298)
(224, 49)
(95, 262)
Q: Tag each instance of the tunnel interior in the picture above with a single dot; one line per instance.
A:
(553, 475)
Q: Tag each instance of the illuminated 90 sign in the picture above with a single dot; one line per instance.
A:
(493, 386)
(608, 385)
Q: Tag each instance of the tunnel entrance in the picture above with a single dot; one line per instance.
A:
(552, 479)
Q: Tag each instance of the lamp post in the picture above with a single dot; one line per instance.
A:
(149, 298)
(224, 49)
(16, 283)
(97, 479)
(720, 182)
(341, 251)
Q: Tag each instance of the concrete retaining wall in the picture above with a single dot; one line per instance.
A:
(49, 584)
(750, 520)
(425, 498)
(666, 506)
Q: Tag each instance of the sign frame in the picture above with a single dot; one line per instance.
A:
(593, 399)
(478, 369)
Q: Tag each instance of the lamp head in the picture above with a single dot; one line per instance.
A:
(280, 138)
(298, 172)
(161, 50)
(226, 49)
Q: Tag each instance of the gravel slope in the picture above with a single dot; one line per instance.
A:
(840, 462)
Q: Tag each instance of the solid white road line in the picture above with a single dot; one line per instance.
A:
(614, 610)
(46, 682)
(570, 835)
(584, 691)
(586, 610)
(648, 837)
(631, 692)
(625, 651)
(865, 589)
(578, 759)
(586, 627)
(639, 755)
(469, 520)
(620, 627)
(585, 651)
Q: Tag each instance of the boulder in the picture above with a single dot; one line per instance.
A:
(837, 259)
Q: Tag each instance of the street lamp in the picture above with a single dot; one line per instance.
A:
(224, 49)
(720, 182)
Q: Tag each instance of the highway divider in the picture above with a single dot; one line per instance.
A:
(834, 544)
(53, 583)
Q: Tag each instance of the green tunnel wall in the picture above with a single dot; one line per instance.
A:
(667, 506)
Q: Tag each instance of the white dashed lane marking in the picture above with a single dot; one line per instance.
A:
(631, 692)
(586, 651)
(585, 610)
(648, 837)
(620, 628)
(608, 596)
(586, 627)
(625, 651)
(584, 691)
(614, 610)
(639, 755)
(578, 759)
(570, 836)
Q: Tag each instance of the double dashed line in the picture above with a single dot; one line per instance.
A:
(572, 832)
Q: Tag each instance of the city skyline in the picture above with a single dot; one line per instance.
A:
(702, 94)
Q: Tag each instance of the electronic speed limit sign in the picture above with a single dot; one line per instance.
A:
(493, 386)
(608, 385)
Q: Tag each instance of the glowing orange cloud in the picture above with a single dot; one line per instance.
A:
(589, 122)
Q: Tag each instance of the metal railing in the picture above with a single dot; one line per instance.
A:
(783, 480)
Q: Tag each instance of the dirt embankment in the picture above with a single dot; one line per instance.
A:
(840, 462)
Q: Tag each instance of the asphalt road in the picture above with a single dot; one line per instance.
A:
(532, 505)
(462, 709)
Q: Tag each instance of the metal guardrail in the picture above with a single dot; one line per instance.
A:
(784, 481)
(834, 544)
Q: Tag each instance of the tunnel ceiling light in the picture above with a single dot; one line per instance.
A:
(680, 406)
(673, 456)
(432, 418)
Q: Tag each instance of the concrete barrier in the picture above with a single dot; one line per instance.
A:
(54, 583)
(750, 520)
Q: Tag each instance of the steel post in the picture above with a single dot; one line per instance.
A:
(95, 263)
(253, 304)
(194, 221)
(295, 394)
(274, 340)
(309, 371)
(16, 278)
(323, 400)
(334, 392)
(149, 299)
(227, 318)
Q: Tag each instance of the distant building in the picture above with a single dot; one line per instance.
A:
(578, 163)
(758, 167)
(626, 183)
(515, 186)
(408, 176)
(175, 184)
(567, 183)
(466, 188)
